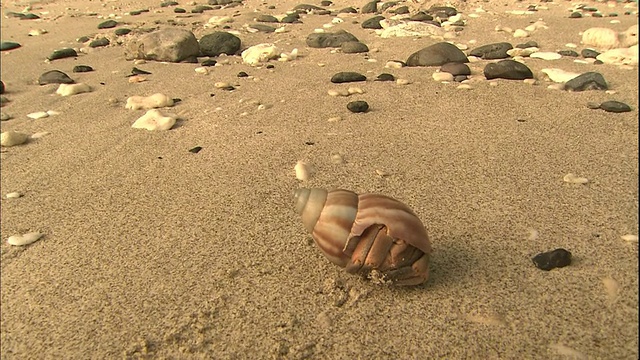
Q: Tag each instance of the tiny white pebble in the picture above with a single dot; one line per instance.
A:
(72, 89)
(53, 112)
(13, 195)
(303, 171)
(355, 90)
(201, 70)
(519, 33)
(571, 45)
(628, 238)
(403, 82)
(221, 84)
(464, 87)
(382, 173)
(335, 92)
(334, 119)
(610, 92)
(40, 134)
(493, 83)
(442, 76)
(393, 65)
(571, 178)
(38, 115)
(615, 21)
(530, 81)
(25, 239)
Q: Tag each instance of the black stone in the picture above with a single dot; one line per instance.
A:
(385, 77)
(9, 45)
(507, 69)
(325, 40)
(552, 259)
(99, 42)
(219, 42)
(615, 106)
(358, 106)
(1, 87)
(199, 9)
(195, 150)
(370, 7)
(589, 53)
(270, 66)
(492, 51)
(54, 77)
(179, 10)
(267, 18)
(587, 81)
(456, 69)
(122, 31)
(348, 10)
(436, 55)
(83, 39)
(326, 3)
(373, 23)
(62, 53)
(402, 10)
(82, 68)
(168, 3)
(575, 15)
(347, 76)
(421, 16)
(446, 10)
(570, 53)
(291, 18)
(107, 24)
(242, 74)
(136, 71)
(528, 44)
(209, 62)
(307, 8)
(354, 47)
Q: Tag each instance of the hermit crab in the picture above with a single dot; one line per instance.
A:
(370, 234)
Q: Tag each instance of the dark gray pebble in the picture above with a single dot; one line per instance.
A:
(263, 28)
(100, 42)
(82, 68)
(107, 24)
(385, 77)
(195, 150)
(528, 44)
(589, 53)
(401, 10)
(615, 106)
(179, 10)
(570, 53)
(219, 42)
(83, 39)
(328, 39)
(209, 62)
(199, 9)
(136, 71)
(168, 3)
(358, 106)
(54, 77)
(348, 10)
(437, 54)
(62, 53)
(370, 7)
(575, 15)
(421, 16)
(445, 10)
(507, 69)
(267, 18)
(492, 51)
(353, 47)
(122, 31)
(291, 18)
(456, 69)
(372, 23)
(587, 81)
(242, 74)
(8, 45)
(552, 259)
(347, 76)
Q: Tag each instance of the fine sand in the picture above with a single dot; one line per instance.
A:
(151, 251)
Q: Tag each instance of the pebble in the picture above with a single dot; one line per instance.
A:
(395, 64)
(456, 69)
(339, 159)
(108, 24)
(615, 106)
(559, 75)
(37, 32)
(55, 77)
(38, 115)
(587, 81)
(464, 87)
(507, 69)
(154, 119)
(13, 138)
(24, 239)
(354, 47)
(334, 119)
(545, 55)
(630, 238)
(13, 195)
(8, 45)
(385, 77)
(347, 76)
(403, 82)
(550, 260)
(303, 170)
(358, 106)
(338, 92)
(4, 116)
(73, 89)
(137, 79)
(62, 53)
(100, 42)
(573, 179)
(153, 101)
(492, 51)
(442, 76)
(437, 54)
(82, 68)
(201, 70)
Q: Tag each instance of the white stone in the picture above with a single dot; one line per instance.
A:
(13, 195)
(393, 65)
(261, 53)
(334, 119)
(519, 33)
(630, 238)
(289, 56)
(154, 119)
(571, 178)
(410, 28)
(605, 38)
(216, 21)
(37, 32)
(522, 52)
(442, 76)
(25, 239)
(201, 70)
(464, 87)
(355, 90)
(403, 81)
(149, 102)
(559, 75)
(620, 56)
(72, 89)
(303, 171)
(338, 159)
(338, 92)
(545, 55)
(38, 115)
(571, 45)
(13, 138)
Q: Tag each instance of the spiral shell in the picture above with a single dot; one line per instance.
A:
(367, 233)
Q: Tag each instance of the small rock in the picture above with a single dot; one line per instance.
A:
(353, 47)
(100, 42)
(261, 53)
(209, 62)
(13, 195)
(442, 76)
(170, 44)
(553, 259)
(545, 55)
(587, 81)
(13, 138)
(24, 239)
(107, 24)
(38, 115)
(325, 40)
(122, 31)
(589, 53)
(492, 51)
(615, 106)
(372, 23)
(195, 150)
(261, 28)
(385, 77)
(358, 106)
(219, 42)
(303, 170)
(437, 55)
(573, 179)
(154, 119)
(507, 69)
(267, 18)
(55, 77)
(569, 53)
(82, 68)
(456, 69)
(62, 53)
(73, 89)
(347, 76)
(157, 100)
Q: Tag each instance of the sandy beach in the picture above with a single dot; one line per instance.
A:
(152, 251)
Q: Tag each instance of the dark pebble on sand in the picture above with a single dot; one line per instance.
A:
(358, 106)
(1, 87)
(615, 106)
(575, 15)
(54, 77)
(122, 31)
(385, 77)
(136, 71)
(82, 68)
(62, 53)
(242, 74)
(570, 53)
(179, 10)
(587, 81)
(347, 76)
(195, 150)
(8, 45)
(552, 259)
(99, 42)
(209, 62)
(589, 53)
(107, 24)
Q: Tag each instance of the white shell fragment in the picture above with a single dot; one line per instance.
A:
(13, 138)
(571, 178)
(155, 120)
(13, 195)
(303, 171)
(25, 239)
(261, 53)
(150, 102)
(73, 89)
(630, 238)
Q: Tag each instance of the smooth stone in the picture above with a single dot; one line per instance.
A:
(209, 62)
(358, 106)
(55, 77)
(372, 23)
(593, 105)
(528, 44)
(107, 24)
(553, 259)
(63, 53)
(9, 45)
(199, 9)
(492, 51)
(136, 71)
(22, 16)
(219, 42)
(421, 16)
(73, 89)
(442, 76)
(267, 18)
(347, 76)
(456, 69)
(460, 78)
(122, 31)
(370, 7)
(445, 10)
(262, 28)
(589, 53)
(13, 195)
(587, 81)
(385, 77)
(507, 69)
(307, 7)
(24, 239)
(38, 115)
(82, 68)
(179, 10)
(569, 53)
(437, 55)
(348, 10)
(154, 120)
(401, 10)
(575, 15)
(13, 138)
(157, 100)
(353, 47)
(99, 42)
(290, 19)
(170, 44)
(615, 106)
(325, 40)
(545, 55)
